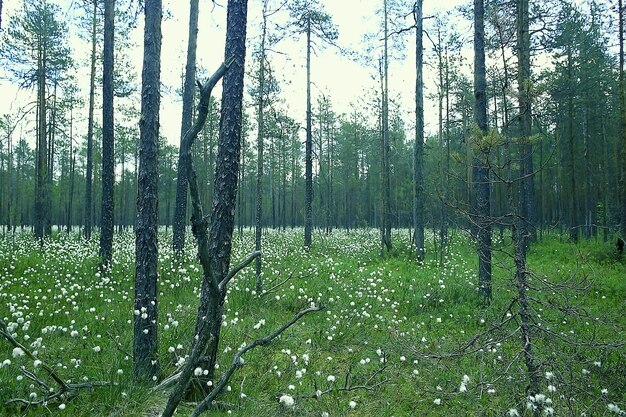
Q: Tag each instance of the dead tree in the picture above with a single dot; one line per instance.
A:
(214, 245)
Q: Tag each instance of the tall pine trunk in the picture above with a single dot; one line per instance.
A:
(180, 208)
(41, 213)
(386, 172)
(622, 98)
(481, 170)
(108, 156)
(308, 155)
(259, 162)
(92, 84)
(145, 347)
(525, 120)
(418, 157)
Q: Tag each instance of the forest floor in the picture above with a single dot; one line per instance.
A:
(387, 343)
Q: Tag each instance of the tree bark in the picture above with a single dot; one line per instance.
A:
(418, 157)
(573, 231)
(145, 346)
(622, 97)
(72, 156)
(41, 169)
(481, 171)
(92, 84)
(308, 156)
(259, 162)
(180, 208)
(386, 172)
(214, 247)
(108, 155)
(525, 120)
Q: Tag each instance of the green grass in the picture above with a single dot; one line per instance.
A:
(381, 317)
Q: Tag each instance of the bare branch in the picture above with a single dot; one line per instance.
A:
(237, 362)
(234, 270)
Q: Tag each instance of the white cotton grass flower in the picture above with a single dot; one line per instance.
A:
(330, 378)
(352, 404)
(614, 408)
(17, 352)
(513, 412)
(437, 401)
(287, 401)
(62, 406)
(97, 349)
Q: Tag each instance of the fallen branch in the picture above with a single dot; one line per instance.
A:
(237, 362)
(277, 285)
(65, 389)
(347, 386)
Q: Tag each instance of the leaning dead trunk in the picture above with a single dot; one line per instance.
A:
(214, 246)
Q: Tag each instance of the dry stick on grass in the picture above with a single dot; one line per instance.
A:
(65, 389)
(237, 362)
(347, 386)
(265, 292)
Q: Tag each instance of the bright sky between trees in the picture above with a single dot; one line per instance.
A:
(346, 80)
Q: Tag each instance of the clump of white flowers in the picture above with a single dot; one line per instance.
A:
(287, 401)
(464, 381)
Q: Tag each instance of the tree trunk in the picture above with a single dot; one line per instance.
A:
(308, 157)
(146, 249)
(108, 155)
(180, 208)
(481, 171)
(41, 168)
(418, 158)
(525, 120)
(72, 156)
(572, 163)
(50, 163)
(622, 101)
(209, 318)
(259, 161)
(92, 86)
(386, 172)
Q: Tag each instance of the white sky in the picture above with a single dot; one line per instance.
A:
(343, 80)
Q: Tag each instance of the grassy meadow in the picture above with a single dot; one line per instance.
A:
(386, 344)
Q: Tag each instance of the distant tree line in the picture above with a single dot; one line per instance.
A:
(51, 172)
